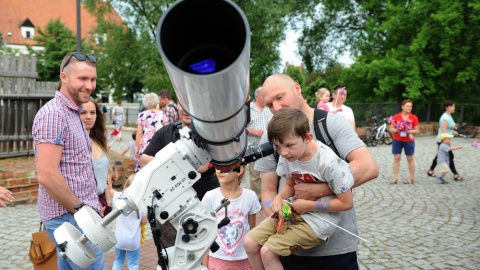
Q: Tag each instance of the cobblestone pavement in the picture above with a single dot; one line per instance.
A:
(421, 226)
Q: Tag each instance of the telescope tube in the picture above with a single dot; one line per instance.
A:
(205, 45)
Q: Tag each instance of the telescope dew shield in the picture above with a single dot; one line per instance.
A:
(205, 45)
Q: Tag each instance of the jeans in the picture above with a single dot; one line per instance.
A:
(67, 264)
(132, 262)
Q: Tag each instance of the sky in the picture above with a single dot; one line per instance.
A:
(288, 51)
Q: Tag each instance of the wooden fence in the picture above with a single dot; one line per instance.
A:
(21, 96)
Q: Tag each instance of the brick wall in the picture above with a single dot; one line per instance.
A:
(20, 177)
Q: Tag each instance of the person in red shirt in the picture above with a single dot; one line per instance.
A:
(404, 126)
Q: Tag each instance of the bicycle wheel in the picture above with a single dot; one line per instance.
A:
(368, 136)
(469, 130)
(374, 138)
(387, 137)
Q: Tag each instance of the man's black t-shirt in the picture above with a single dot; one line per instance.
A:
(164, 136)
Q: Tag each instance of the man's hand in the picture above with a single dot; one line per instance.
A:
(259, 133)
(5, 195)
(302, 206)
(255, 132)
(311, 191)
(269, 189)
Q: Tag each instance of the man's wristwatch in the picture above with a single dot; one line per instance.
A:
(78, 206)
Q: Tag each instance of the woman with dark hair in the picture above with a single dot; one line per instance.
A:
(446, 125)
(95, 125)
(404, 126)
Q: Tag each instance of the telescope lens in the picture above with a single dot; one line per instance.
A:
(204, 67)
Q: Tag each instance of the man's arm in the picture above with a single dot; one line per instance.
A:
(343, 202)
(49, 176)
(144, 160)
(363, 166)
(254, 132)
(269, 189)
(364, 169)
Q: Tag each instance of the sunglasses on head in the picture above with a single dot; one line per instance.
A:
(80, 57)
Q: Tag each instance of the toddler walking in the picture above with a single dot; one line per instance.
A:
(443, 156)
(128, 234)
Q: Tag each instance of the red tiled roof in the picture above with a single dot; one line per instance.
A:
(14, 12)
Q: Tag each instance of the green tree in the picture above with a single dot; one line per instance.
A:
(403, 49)
(268, 22)
(57, 41)
(296, 73)
(310, 90)
(118, 65)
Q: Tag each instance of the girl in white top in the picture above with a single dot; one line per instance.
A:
(128, 234)
(243, 206)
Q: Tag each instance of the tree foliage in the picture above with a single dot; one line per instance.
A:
(57, 41)
(268, 22)
(423, 50)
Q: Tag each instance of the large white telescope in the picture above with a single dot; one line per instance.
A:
(205, 45)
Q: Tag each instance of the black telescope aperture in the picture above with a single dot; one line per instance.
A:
(187, 44)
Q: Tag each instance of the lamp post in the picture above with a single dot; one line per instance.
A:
(79, 27)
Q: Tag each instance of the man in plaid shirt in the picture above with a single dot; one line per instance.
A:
(170, 111)
(63, 152)
(259, 118)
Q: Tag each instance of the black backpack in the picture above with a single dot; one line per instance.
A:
(321, 131)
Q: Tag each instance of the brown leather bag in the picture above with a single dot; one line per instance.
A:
(43, 253)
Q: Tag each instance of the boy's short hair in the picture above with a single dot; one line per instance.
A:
(134, 134)
(164, 93)
(288, 121)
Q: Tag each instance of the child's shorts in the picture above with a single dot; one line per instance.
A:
(443, 167)
(298, 234)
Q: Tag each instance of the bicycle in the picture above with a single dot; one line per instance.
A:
(467, 130)
(378, 134)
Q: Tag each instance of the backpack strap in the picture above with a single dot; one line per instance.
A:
(176, 110)
(321, 131)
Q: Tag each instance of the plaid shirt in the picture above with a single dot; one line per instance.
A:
(170, 114)
(58, 122)
(258, 120)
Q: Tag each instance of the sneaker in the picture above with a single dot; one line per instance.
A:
(441, 180)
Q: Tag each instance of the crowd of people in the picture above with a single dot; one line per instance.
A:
(319, 159)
